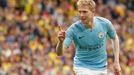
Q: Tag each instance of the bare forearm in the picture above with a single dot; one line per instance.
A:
(59, 48)
(116, 49)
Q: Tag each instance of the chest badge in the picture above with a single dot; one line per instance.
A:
(101, 35)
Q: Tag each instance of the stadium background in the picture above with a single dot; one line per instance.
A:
(28, 35)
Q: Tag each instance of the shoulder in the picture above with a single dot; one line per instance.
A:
(75, 28)
(75, 25)
(105, 23)
(102, 19)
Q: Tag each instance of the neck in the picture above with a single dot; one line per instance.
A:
(89, 25)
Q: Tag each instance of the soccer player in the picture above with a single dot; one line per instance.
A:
(89, 36)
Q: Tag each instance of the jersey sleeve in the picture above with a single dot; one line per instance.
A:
(69, 37)
(110, 30)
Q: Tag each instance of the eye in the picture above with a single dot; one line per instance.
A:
(83, 12)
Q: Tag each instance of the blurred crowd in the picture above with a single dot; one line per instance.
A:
(28, 35)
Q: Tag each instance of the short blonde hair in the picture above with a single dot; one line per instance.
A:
(90, 3)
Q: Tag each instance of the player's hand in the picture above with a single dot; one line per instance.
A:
(61, 34)
(117, 68)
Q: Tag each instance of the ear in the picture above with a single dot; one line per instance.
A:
(94, 12)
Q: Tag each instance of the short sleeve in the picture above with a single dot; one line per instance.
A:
(110, 30)
(69, 37)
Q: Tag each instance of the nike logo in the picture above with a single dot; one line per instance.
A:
(81, 37)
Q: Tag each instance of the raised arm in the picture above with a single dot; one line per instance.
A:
(65, 39)
(60, 48)
(61, 37)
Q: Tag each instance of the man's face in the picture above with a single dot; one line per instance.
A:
(85, 14)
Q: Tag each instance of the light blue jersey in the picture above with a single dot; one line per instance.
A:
(90, 44)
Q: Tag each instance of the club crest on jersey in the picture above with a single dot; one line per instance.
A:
(101, 34)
